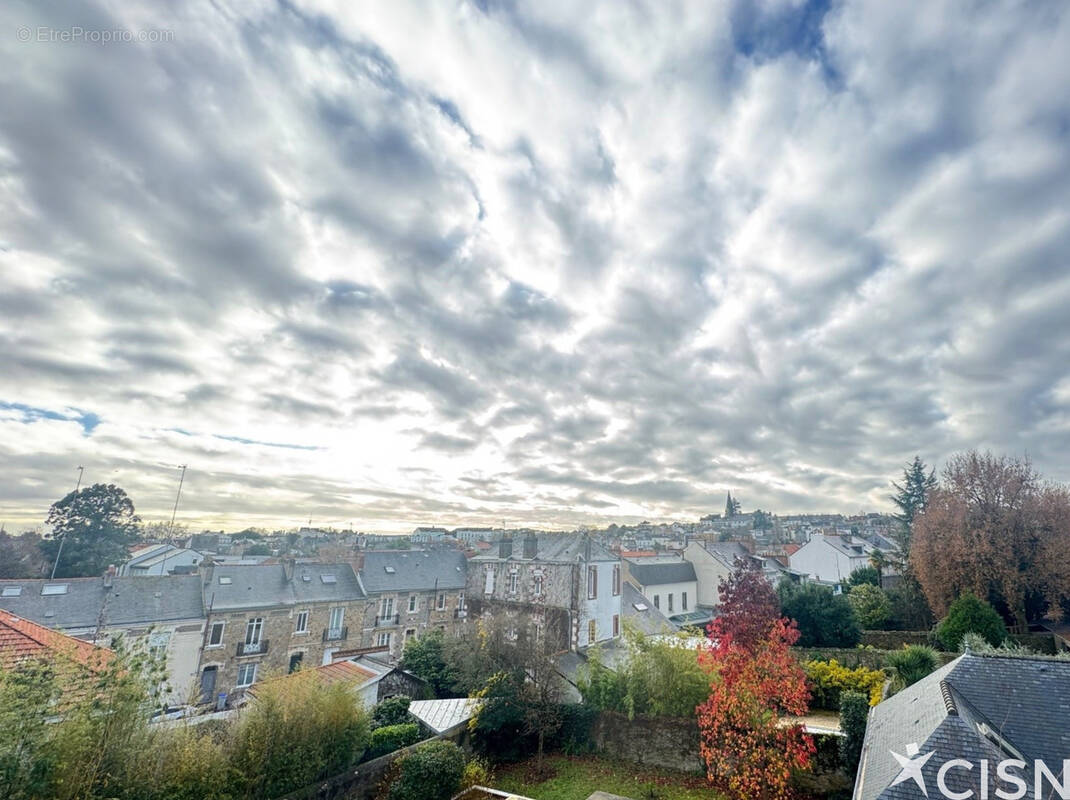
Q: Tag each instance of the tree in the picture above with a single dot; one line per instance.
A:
(911, 498)
(391, 711)
(20, 556)
(995, 529)
(749, 606)
(854, 714)
(762, 521)
(910, 664)
(910, 609)
(878, 561)
(871, 606)
(95, 528)
(970, 614)
(824, 619)
(863, 575)
(425, 657)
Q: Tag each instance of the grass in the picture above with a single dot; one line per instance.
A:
(576, 777)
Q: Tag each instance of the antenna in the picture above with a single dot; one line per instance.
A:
(171, 527)
(59, 551)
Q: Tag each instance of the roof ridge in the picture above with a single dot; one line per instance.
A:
(949, 699)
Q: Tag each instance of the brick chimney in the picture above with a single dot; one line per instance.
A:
(531, 545)
(288, 567)
(109, 576)
(505, 546)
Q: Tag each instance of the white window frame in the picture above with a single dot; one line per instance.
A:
(488, 581)
(222, 632)
(301, 625)
(338, 612)
(440, 605)
(386, 607)
(616, 579)
(537, 590)
(412, 604)
(514, 582)
(247, 667)
(254, 630)
(460, 600)
(384, 639)
(592, 583)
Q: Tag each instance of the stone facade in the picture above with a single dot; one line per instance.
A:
(392, 618)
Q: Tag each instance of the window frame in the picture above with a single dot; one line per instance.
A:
(592, 631)
(592, 582)
(413, 604)
(222, 625)
(298, 626)
(440, 603)
(616, 580)
(246, 667)
(254, 625)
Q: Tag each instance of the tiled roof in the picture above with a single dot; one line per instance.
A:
(21, 639)
(641, 612)
(413, 570)
(337, 672)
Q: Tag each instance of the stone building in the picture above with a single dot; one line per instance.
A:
(410, 592)
(565, 582)
(274, 618)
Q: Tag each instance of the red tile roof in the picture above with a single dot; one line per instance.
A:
(338, 672)
(21, 639)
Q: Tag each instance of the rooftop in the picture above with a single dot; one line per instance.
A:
(22, 639)
(413, 570)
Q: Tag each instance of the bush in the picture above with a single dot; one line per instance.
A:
(864, 576)
(854, 714)
(573, 737)
(871, 605)
(477, 772)
(432, 771)
(392, 737)
(910, 664)
(392, 711)
(824, 619)
(829, 679)
(970, 614)
(910, 608)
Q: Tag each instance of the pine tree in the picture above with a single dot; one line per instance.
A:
(911, 497)
(731, 507)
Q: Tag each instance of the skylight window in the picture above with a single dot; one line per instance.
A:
(306, 578)
(54, 588)
(11, 591)
(224, 580)
(640, 606)
(328, 579)
(390, 570)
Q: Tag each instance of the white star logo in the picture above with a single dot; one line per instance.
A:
(912, 767)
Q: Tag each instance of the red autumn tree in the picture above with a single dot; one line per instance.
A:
(748, 752)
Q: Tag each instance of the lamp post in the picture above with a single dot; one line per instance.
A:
(59, 552)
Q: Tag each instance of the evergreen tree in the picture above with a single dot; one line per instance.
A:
(911, 497)
(95, 528)
(731, 507)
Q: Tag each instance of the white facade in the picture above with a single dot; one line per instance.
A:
(830, 559)
(709, 570)
(604, 609)
(672, 598)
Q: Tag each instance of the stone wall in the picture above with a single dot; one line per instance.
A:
(659, 741)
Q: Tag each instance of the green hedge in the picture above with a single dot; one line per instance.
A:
(389, 738)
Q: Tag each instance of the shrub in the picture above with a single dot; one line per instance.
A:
(854, 713)
(824, 619)
(477, 772)
(574, 735)
(970, 614)
(871, 605)
(829, 679)
(432, 771)
(864, 576)
(392, 711)
(392, 737)
(910, 664)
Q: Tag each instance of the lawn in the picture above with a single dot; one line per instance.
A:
(576, 777)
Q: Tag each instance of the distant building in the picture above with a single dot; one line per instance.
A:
(669, 583)
(831, 558)
(161, 559)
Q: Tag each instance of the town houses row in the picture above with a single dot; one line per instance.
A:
(224, 624)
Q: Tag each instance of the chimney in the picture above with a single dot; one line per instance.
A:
(288, 568)
(109, 576)
(531, 544)
(505, 546)
(587, 547)
(358, 561)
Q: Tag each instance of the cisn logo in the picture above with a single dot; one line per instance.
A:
(1007, 775)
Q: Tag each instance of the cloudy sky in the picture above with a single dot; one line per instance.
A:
(552, 263)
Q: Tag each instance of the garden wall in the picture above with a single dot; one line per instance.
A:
(852, 657)
(659, 741)
(1041, 642)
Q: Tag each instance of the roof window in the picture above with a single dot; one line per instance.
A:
(224, 580)
(328, 579)
(390, 570)
(11, 591)
(55, 588)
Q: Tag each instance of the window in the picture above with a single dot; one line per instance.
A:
(592, 583)
(302, 622)
(224, 580)
(409, 633)
(670, 601)
(12, 591)
(215, 636)
(295, 661)
(384, 639)
(334, 622)
(488, 582)
(514, 582)
(441, 605)
(616, 579)
(386, 607)
(253, 629)
(657, 601)
(460, 600)
(616, 624)
(538, 585)
(412, 603)
(246, 675)
(389, 570)
(683, 600)
(328, 579)
(54, 588)
(592, 630)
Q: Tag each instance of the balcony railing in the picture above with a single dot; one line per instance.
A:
(384, 621)
(252, 648)
(335, 634)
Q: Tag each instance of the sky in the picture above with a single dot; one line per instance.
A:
(466, 263)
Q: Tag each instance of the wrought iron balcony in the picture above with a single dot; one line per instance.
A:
(253, 648)
(385, 621)
(335, 634)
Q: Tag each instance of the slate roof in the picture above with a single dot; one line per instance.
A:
(558, 547)
(1025, 702)
(22, 639)
(653, 573)
(441, 715)
(413, 570)
(646, 618)
(266, 585)
(131, 600)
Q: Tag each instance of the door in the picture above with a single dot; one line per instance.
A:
(208, 685)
